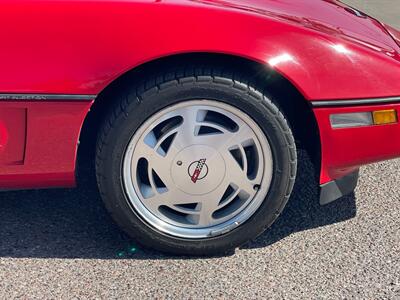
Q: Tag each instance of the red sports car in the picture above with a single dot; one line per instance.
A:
(194, 110)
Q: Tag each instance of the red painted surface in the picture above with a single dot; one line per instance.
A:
(79, 47)
(3, 137)
(344, 150)
(13, 135)
(41, 143)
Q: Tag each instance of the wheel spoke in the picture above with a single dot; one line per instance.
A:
(209, 204)
(229, 199)
(238, 176)
(186, 132)
(244, 133)
(156, 162)
(229, 139)
(169, 198)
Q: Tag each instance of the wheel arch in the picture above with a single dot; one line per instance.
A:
(282, 91)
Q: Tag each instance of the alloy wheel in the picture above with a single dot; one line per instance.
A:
(197, 169)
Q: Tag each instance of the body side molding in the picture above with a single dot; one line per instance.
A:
(47, 97)
(370, 101)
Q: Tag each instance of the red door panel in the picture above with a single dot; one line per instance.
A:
(12, 135)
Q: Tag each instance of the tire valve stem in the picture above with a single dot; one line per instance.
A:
(256, 187)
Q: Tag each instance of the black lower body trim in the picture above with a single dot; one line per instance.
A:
(338, 188)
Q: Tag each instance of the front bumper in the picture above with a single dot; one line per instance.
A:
(344, 150)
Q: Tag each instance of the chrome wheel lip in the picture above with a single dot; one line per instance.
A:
(175, 230)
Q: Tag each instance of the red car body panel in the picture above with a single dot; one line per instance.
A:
(79, 47)
(39, 143)
(344, 150)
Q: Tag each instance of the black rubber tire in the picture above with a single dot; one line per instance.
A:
(142, 100)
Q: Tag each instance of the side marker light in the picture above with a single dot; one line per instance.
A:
(361, 119)
(383, 117)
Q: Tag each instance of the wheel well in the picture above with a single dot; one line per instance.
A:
(294, 106)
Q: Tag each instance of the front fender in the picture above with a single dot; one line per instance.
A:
(80, 47)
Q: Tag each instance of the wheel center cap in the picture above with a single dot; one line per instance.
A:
(198, 169)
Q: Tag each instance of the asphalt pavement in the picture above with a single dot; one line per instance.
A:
(61, 244)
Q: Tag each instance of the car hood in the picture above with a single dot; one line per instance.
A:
(328, 16)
